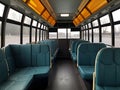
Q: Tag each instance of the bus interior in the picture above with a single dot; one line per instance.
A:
(60, 44)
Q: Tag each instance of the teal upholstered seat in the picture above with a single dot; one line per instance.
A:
(53, 45)
(21, 64)
(86, 55)
(3, 68)
(74, 46)
(107, 69)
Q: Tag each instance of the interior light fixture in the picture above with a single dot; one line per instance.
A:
(64, 15)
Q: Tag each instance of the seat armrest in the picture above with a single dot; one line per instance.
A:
(94, 80)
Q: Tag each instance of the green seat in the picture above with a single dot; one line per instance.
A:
(74, 46)
(22, 63)
(107, 70)
(86, 55)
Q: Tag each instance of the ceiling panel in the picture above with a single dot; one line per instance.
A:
(65, 6)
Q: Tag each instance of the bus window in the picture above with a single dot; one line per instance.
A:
(1, 9)
(69, 32)
(105, 19)
(89, 25)
(38, 35)
(27, 20)
(12, 34)
(117, 35)
(33, 34)
(34, 23)
(90, 35)
(14, 15)
(95, 23)
(41, 35)
(39, 25)
(52, 35)
(116, 15)
(87, 34)
(106, 35)
(75, 34)
(26, 32)
(96, 34)
(61, 33)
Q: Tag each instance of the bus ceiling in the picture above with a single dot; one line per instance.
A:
(57, 12)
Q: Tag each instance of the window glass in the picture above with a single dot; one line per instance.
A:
(52, 35)
(95, 23)
(33, 34)
(87, 35)
(12, 34)
(41, 35)
(84, 35)
(105, 19)
(61, 33)
(69, 32)
(42, 27)
(90, 35)
(86, 27)
(38, 25)
(14, 15)
(117, 35)
(89, 25)
(27, 20)
(26, 32)
(116, 15)
(0, 33)
(34, 23)
(44, 35)
(37, 34)
(106, 35)
(96, 34)
(1, 9)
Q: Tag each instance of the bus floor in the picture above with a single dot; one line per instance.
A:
(65, 76)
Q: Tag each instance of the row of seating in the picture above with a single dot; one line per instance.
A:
(73, 48)
(53, 45)
(86, 55)
(20, 63)
(101, 64)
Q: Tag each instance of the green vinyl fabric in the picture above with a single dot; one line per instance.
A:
(3, 68)
(74, 46)
(21, 63)
(53, 45)
(86, 55)
(108, 69)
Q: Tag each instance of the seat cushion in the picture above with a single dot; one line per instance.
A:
(86, 72)
(16, 85)
(28, 72)
(107, 88)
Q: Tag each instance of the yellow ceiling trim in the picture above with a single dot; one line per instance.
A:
(32, 3)
(82, 5)
(85, 13)
(40, 9)
(89, 7)
(94, 5)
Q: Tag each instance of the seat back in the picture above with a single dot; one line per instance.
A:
(87, 52)
(78, 43)
(20, 56)
(40, 55)
(108, 67)
(3, 68)
(10, 59)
